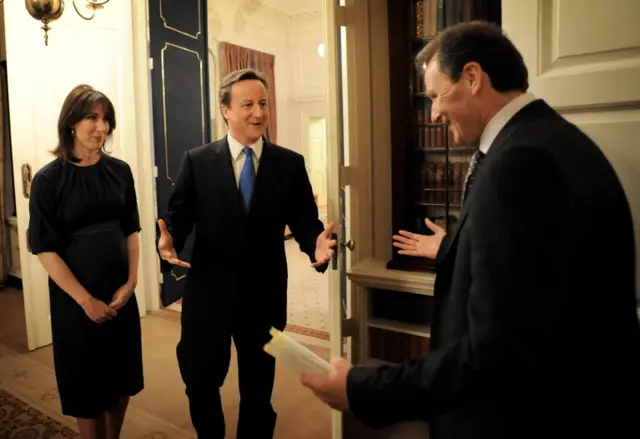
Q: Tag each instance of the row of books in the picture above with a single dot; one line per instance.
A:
(429, 134)
(433, 178)
(431, 16)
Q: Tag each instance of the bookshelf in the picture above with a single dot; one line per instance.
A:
(428, 170)
(427, 174)
(397, 309)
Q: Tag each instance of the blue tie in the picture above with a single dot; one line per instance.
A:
(247, 177)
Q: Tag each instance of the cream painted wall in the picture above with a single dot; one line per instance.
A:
(259, 28)
(299, 70)
(100, 53)
(308, 71)
(308, 94)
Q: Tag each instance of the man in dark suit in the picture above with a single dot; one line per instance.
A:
(237, 281)
(535, 332)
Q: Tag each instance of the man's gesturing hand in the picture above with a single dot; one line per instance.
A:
(165, 247)
(424, 246)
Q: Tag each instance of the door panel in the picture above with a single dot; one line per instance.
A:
(180, 96)
(561, 47)
(584, 60)
(347, 43)
(335, 148)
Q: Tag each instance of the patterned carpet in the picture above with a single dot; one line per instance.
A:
(308, 300)
(26, 380)
(18, 420)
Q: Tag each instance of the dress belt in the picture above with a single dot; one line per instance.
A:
(101, 227)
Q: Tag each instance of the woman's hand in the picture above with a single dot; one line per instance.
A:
(122, 296)
(98, 311)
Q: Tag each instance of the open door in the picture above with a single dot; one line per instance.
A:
(339, 71)
(28, 155)
(180, 101)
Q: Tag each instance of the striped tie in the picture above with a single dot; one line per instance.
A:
(476, 160)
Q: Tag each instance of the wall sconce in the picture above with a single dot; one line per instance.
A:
(47, 11)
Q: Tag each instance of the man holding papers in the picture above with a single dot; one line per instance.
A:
(535, 333)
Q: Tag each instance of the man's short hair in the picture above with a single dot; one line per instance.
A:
(224, 95)
(481, 42)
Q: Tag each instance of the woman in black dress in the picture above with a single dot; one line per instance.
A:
(84, 228)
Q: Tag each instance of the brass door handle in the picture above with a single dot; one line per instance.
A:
(350, 244)
(26, 180)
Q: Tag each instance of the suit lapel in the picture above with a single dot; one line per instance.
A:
(224, 174)
(530, 111)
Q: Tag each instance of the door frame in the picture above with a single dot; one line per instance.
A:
(149, 276)
(357, 129)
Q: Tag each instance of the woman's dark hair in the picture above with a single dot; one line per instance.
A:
(481, 42)
(78, 103)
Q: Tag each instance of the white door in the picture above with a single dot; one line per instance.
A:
(99, 53)
(339, 44)
(31, 126)
(584, 60)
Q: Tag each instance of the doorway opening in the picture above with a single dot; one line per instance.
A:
(293, 60)
(10, 270)
(317, 154)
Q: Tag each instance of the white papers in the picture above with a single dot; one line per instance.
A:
(285, 348)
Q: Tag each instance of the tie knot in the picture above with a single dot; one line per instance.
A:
(248, 151)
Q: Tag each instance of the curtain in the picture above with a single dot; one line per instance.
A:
(237, 57)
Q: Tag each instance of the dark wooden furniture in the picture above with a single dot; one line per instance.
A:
(428, 171)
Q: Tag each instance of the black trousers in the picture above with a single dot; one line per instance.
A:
(203, 358)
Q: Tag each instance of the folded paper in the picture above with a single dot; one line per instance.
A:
(285, 348)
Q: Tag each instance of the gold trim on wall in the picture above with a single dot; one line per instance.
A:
(195, 37)
(164, 102)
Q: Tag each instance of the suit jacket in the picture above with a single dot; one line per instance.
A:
(535, 332)
(238, 264)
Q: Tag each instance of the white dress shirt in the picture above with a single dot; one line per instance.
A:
(238, 156)
(501, 118)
